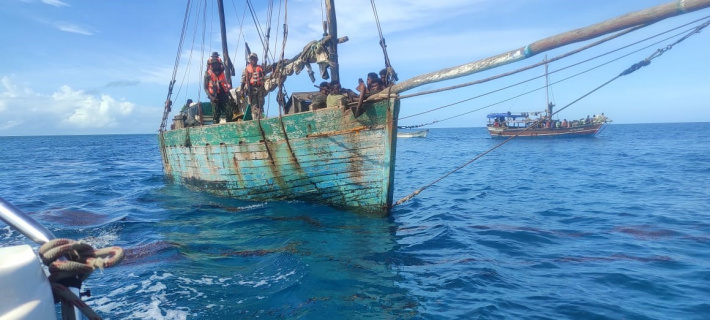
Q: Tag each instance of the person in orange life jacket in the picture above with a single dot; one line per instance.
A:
(253, 85)
(217, 88)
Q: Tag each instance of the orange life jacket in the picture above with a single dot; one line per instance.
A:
(217, 81)
(255, 76)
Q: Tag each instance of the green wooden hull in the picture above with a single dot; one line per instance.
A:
(323, 156)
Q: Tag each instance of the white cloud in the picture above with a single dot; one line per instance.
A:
(67, 27)
(67, 110)
(56, 3)
(88, 111)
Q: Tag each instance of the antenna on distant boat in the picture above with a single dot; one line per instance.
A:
(547, 92)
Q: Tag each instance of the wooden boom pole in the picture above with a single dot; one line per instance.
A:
(643, 17)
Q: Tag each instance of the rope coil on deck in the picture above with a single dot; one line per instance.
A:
(80, 261)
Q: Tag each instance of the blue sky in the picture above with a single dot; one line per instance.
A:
(103, 67)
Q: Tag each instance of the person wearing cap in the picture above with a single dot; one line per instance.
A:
(318, 100)
(217, 88)
(253, 85)
(186, 106)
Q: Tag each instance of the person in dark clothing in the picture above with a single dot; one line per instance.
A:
(374, 83)
(319, 99)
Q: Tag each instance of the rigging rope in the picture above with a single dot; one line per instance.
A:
(390, 70)
(186, 74)
(168, 103)
(631, 69)
(267, 34)
(80, 261)
(258, 28)
(241, 26)
(537, 77)
(522, 94)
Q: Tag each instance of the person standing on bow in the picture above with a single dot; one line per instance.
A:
(253, 86)
(217, 88)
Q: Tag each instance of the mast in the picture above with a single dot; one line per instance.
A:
(225, 52)
(547, 91)
(332, 44)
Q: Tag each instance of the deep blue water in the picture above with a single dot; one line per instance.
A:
(611, 227)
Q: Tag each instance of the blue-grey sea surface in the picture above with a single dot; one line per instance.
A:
(611, 227)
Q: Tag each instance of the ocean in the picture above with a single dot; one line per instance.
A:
(611, 227)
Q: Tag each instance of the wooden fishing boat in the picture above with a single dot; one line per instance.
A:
(412, 134)
(322, 156)
(326, 156)
(506, 125)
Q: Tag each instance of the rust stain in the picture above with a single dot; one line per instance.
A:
(333, 133)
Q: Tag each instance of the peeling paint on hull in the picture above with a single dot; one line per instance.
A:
(324, 156)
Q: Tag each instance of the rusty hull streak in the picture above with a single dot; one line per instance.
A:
(354, 159)
(276, 173)
(288, 142)
(291, 148)
(335, 133)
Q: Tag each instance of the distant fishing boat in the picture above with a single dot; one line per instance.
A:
(412, 134)
(508, 125)
(505, 125)
(327, 156)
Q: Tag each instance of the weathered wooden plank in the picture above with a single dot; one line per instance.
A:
(324, 156)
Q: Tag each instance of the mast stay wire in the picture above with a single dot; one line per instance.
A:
(524, 93)
(166, 110)
(616, 35)
(539, 64)
(629, 70)
(186, 74)
(241, 27)
(267, 33)
(283, 49)
(393, 75)
(257, 26)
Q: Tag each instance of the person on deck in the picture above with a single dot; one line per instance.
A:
(374, 83)
(337, 98)
(185, 113)
(386, 82)
(217, 88)
(253, 86)
(602, 118)
(186, 106)
(319, 99)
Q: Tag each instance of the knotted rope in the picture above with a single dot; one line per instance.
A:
(80, 261)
